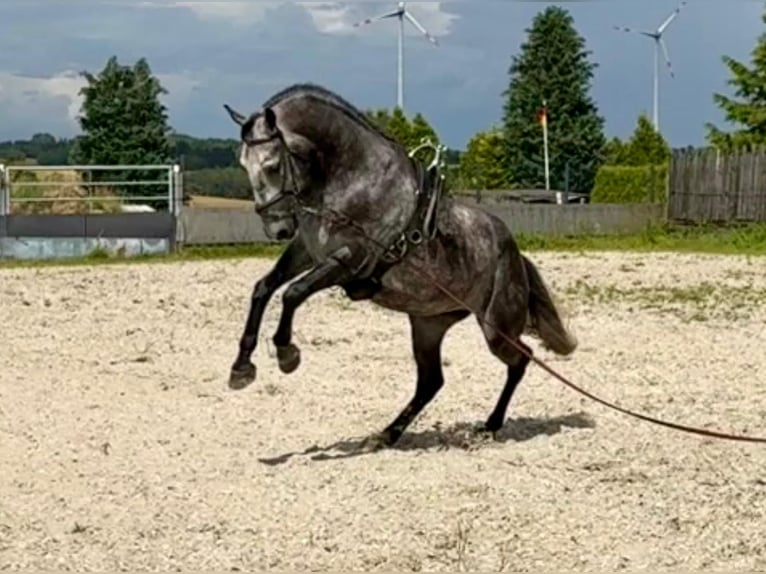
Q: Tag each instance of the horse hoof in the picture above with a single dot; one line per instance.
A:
(489, 430)
(289, 358)
(376, 442)
(241, 376)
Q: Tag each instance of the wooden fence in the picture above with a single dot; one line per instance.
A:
(717, 187)
(200, 226)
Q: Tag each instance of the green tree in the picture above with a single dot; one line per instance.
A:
(747, 108)
(220, 182)
(481, 166)
(553, 66)
(646, 146)
(398, 126)
(194, 153)
(419, 129)
(615, 152)
(381, 117)
(43, 148)
(407, 132)
(123, 122)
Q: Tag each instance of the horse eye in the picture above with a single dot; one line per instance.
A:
(271, 168)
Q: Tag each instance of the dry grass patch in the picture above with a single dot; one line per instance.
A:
(64, 192)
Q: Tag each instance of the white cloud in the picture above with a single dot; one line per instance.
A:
(328, 17)
(36, 97)
(433, 16)
(25, 93)
(340, 17)
(238, 13)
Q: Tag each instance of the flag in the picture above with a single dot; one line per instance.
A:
(542, 116)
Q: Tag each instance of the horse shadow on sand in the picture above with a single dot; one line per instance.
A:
(464, 436)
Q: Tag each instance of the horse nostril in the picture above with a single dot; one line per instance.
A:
(282, 234)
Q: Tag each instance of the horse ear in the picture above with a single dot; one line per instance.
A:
(271, 119)
(238, 118)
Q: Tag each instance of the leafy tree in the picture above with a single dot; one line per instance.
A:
(481, 166)
(419, 129)
(615, 152)
(229, 182)
(406, 132)
(123, 122)
(552, 65)
(43, 148)
(381, 117)
(399, 127)
(748, 108)
(196, 153)
(645, 147)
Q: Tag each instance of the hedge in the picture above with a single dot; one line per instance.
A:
(630, 184)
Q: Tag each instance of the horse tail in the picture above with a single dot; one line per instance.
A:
(544, 318)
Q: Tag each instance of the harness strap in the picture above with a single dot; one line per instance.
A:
(422, 224)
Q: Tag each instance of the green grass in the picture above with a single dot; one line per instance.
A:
(196, 253)
(743, 240)
(740, 240)
(689, 303)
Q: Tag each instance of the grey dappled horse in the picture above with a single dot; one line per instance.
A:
(355, 208)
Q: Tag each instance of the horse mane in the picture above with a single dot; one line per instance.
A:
(331, 99)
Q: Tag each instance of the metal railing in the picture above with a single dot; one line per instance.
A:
(22, 188)
(4, 192)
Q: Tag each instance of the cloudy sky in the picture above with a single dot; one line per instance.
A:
(207, 53)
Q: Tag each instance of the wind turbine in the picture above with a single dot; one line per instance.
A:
(659, 44)
(401, 13)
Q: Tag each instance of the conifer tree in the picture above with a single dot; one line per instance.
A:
(647, 146)
(123, 123)
(747, 109)
(553, 66)
(481, 166)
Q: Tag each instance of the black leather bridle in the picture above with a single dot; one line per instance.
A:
(286, 168)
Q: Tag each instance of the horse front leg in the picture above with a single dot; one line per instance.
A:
(292, 263)
(336, 270)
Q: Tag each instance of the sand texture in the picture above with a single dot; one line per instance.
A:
(122, 448)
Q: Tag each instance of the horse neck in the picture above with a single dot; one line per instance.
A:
(344, 143)
(353, 154)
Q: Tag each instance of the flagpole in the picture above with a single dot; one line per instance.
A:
(545, 146)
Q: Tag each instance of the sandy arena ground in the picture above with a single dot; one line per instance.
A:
(122, 448)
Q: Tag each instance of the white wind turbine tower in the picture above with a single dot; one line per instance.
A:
(401, 13)
(658, 44)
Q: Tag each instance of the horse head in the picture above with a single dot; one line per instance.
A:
(310, 154)
(282, 167)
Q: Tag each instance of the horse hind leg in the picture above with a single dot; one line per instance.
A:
(505, 319)
(517, 365)
(427, 336)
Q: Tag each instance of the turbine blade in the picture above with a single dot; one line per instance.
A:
(670, 18)
(376, 18)
(667, 58)
(633, 30)
(417, 25)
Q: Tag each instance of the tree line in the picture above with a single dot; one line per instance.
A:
(549, 80)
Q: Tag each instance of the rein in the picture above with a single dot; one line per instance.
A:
(345, 220)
